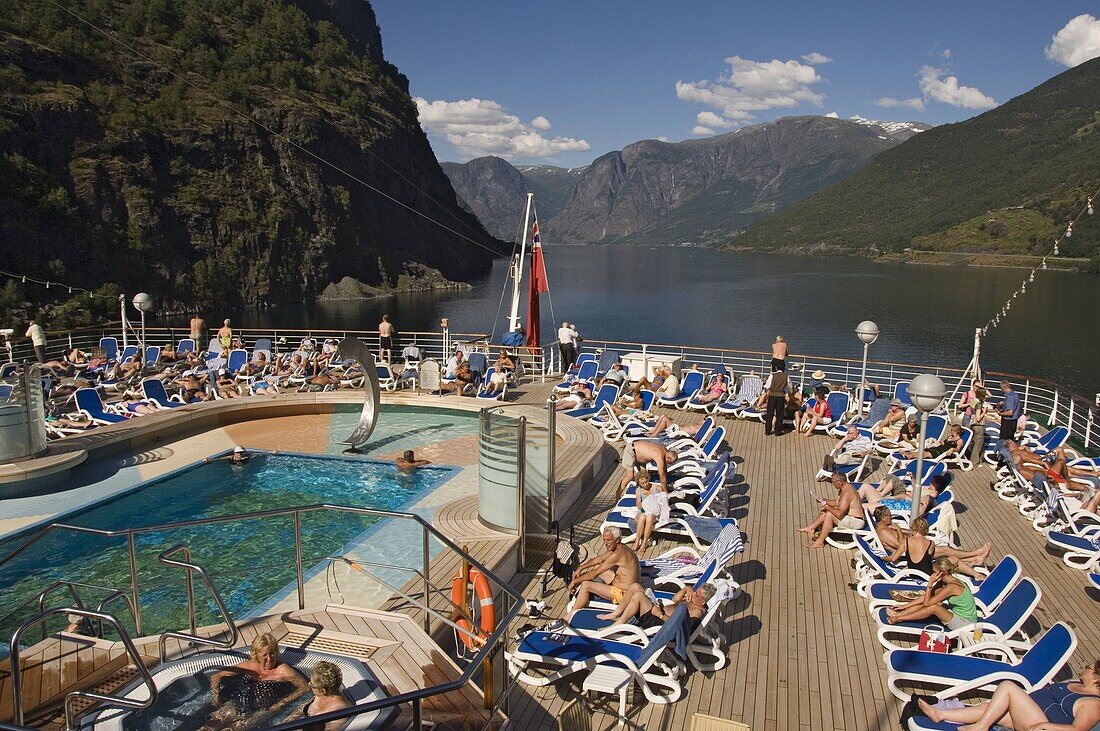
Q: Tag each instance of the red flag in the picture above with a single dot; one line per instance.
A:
(538, 283)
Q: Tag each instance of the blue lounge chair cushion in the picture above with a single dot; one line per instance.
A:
(574, 648)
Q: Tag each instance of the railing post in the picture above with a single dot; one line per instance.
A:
(1054, 410)
(427, 563)
(417, 722)
(134, 587)
(300, 577)
(1072, 404)
(551, 428)
(1088, 427)
(521, 488)
(190, 578)
(1027, 393)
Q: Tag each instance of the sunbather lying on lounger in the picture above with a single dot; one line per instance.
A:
(950, 445)
(872, 494)
(1069, 705)
(227, 387)
(716, 390)
(135, 407)
(578, 396)
(637, 605)
(663, 422)
(191, 388)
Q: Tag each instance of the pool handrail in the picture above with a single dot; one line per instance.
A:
(70, 714)
(72, 586)
(513, 601)
(166, 558)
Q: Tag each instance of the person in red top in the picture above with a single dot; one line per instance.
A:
(810, 417)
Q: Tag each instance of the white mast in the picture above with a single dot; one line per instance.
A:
(517, 268)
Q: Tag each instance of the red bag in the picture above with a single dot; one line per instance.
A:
(933, 638)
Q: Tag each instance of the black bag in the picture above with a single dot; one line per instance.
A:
(829, 463)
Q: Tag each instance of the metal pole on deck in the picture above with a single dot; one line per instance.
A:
(926, 392)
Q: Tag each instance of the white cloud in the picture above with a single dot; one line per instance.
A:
(750, 86)
(661, 138)
(936, 84)
(477, 127)
(1077, 42)
(712, 120)
(890, 102)
(833, 115)
(816, 58)
(946, 53)
(701, 130)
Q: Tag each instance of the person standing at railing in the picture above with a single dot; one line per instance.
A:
(198, 327)
(38, 340)
(779, 354)
(566, 339)
(225, 337)
(1010, 411)
(385, 339)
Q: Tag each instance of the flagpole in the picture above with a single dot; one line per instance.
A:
(517, 268)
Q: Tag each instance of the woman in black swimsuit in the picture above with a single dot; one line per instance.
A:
(326, 682)
(916, 549)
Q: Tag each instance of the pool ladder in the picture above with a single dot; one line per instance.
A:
(99, 615)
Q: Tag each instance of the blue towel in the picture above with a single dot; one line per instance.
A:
(706, 529)
(679, 625)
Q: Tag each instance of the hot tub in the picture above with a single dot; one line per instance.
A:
(183, 693)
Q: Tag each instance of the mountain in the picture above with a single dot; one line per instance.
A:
(551, 186)
(704, 190)
(203, 167)
(495, 191)
(1003, 182)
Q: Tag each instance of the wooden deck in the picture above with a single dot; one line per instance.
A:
(802, 646)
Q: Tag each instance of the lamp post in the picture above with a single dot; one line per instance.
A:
(868, 333)
(143, 303)
(926, 392)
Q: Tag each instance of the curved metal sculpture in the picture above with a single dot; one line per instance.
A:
(355, 349)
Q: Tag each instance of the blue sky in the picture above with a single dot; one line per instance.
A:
(565, 82)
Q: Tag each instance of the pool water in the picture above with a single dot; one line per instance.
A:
(249, 560)
(404, 427)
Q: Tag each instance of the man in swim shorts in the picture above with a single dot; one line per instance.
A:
(642, 452)
(608, 575)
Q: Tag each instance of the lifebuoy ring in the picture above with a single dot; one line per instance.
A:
(484, 596)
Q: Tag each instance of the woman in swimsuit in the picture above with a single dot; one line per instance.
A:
(326, 682)
(1072, 705)
(262, 683)
(943, 588)
(915, 548)
(652, 504)
(952, 444)
(636, 604)
(718, 387)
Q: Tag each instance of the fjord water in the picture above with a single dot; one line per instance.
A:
(927, 314)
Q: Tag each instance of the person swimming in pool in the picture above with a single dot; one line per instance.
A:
(408, 462)
(238, 456)
(246, 694)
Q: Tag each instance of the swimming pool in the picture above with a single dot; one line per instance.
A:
(251, 560)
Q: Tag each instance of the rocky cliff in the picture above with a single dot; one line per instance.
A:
(702, 191)
(247, 154)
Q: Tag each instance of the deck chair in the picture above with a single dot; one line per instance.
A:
(582, 358)
(1001, 627)
(483, 390)
(901, 393)
(693, 381)
(1078, 552)
(479, 366)
(237, 360)
(152, 389)
(386, 379)
(128, 352)
(956, 674)
(186, 345)
(671, 566)
(110, 348)
(704, 644)
(586, 372)
(608, 394)
(607, 359)
(6, 391)
(89, 402)
(575, 716)
(839, 402)
(626, 509)
(695, 403)
(929, 469)
(543, 658)
(988, 593)
(748, 392)
(9, 370)
(959, 459)
(429, 376)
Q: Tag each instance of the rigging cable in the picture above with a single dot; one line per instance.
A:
(1022, 289)
(248, 117)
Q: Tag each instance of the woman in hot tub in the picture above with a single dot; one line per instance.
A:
(261, 685)
(326, 682)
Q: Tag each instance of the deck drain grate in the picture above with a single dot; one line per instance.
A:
(108, 686)
(329, 644)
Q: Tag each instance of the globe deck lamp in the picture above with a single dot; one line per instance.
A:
(926, 392)
(143, 303)
(868, 333)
